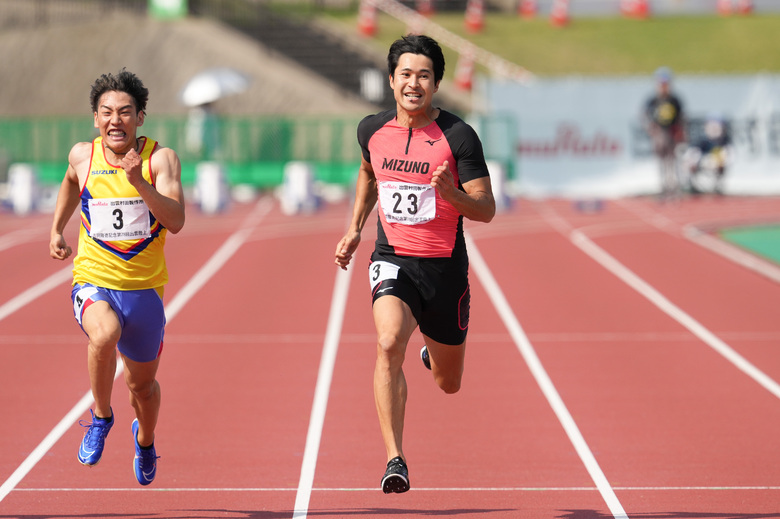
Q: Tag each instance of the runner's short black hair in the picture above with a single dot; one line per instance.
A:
(123, 81)
(417, 44)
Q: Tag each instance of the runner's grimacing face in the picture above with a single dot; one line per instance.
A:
(118, 120)
(413, 83)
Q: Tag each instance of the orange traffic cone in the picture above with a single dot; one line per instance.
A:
(425, 7)
(464, 71)
(559, 15)
(635, 8)
(528, 8)
(367, 18)
(475, 15)
(744, 6)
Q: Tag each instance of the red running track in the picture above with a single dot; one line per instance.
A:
(654, 395)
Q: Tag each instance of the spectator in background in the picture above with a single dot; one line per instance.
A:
(708, 157)
(665, 123)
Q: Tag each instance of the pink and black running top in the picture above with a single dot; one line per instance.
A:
(413, 219)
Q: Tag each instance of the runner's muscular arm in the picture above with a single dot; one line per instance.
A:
(365, 200)
(475, 202)
(67, 200)
(165, 199)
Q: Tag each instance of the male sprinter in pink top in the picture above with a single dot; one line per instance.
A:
(426, 169)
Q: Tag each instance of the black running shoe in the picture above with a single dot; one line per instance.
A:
(396, 478)
(426, 358)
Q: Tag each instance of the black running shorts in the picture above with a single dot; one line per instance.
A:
(436, 290)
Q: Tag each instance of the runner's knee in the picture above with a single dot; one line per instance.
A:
(390, 346)
(101, 325)
(449, 382)
(449, 386)
(144, 389)
(103, 338)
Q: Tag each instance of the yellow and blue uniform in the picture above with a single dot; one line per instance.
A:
(126, 264)
(120, 256)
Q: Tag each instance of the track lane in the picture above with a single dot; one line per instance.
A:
(677, 418)
(699, 414)
(736, 303)
(488, 450)
(40, 345)
(247, 359)
(67, 362)
(24, 256)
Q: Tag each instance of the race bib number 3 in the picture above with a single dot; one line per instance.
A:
(408, 204)
(114, 219)
(378, 271)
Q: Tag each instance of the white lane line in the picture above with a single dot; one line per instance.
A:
(21, 236)
(311, 339)
(699, 236)
(732, 253)
(543, 379)
(654, 296)
(211, 267)
(322, 390)
(47, 443)
(219, 258)
(606, 260)
(415, 489)
(36, 291)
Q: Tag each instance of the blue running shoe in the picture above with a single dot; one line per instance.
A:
(425, 356)
(145, 462)
(91, 448)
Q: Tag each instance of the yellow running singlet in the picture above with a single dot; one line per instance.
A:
(120, 241)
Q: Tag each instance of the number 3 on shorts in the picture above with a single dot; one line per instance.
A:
(378, 271)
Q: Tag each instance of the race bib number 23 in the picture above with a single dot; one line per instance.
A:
(406, 203)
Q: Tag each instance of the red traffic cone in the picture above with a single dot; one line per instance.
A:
(367, 18)
(425, 7)
(744, 6)
(559, 15)
(528, 8)
(635, 8)
(464, 71)
(475, 15)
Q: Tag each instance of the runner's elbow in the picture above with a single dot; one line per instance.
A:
(487, 214)
(176, 225)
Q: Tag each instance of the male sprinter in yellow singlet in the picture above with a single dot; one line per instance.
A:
(130, 194)
(426, 169)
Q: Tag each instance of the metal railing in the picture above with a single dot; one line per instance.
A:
(254, 150)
